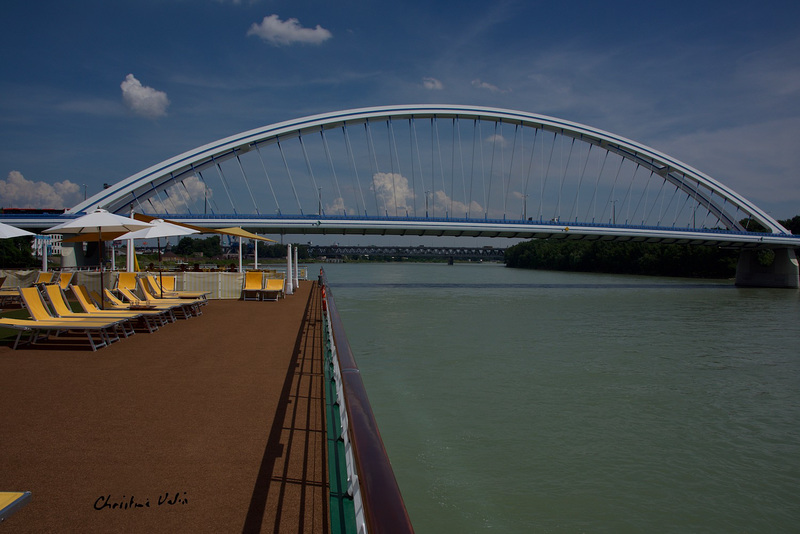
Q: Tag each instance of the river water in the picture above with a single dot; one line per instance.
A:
(532, 401)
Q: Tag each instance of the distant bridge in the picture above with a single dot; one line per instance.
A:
(471, 253)
(435, 170)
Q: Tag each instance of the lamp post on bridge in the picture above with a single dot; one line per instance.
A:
(525, 207)
(426, 204)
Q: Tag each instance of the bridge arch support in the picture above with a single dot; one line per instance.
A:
(435, 161)
(446, 170)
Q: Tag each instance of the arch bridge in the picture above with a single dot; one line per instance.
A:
(444, 170)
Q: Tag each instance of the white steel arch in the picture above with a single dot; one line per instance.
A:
(724, 206)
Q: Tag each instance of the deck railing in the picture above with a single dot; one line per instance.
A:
(371, 483)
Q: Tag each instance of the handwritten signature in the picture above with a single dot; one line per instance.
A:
(107, 502)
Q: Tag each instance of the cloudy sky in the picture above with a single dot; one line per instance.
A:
(94, 91)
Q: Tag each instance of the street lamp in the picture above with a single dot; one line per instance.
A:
(525, 208)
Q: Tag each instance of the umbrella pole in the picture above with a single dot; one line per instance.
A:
(160, 268)
(100, 253)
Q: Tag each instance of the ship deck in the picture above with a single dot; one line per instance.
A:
(212, 424)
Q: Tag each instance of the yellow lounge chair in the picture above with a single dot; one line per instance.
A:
(167, 282)
(253, 285)
(42, 321)
(127, 281)
(273, 290)
(166, 286)
(37, 329)
(44, 277)
(151, 320)
(62, 309)
(191, 305)
(134, 300)
(160, 291)
(65, 279)
(11, 501)
(154, 318)
(113, 302)
(8, 295)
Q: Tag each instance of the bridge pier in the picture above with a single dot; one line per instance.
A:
(782, 273)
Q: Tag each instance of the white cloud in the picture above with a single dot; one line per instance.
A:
(337, 207)
(489, 87)
(179, 198)
(18, 192)
(143, 100)
(279, 32)
(453, 208)
(393, 192)
(432, 83)
(498, 140)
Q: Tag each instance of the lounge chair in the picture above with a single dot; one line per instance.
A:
(167, 282)
(253, 285)
(44, 277)
(134, 300)
(192, 305)
(127, 281)
(160, 291)
(42, 322)
(38, 329)
(151, 320)
(11, 501)
(111, 301)
(8, 295)
(60, 305)
(65, 279)
(274, 289)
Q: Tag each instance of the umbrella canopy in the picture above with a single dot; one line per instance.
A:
(99, 221)
(158, 228)
(7, 231)
(234, 230)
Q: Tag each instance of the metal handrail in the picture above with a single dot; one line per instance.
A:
(383, 503)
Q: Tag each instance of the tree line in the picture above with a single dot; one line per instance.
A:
(635, 258)
(210, 247)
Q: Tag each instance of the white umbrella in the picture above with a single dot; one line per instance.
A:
(159, 228)
(7, 231)
(98, 221)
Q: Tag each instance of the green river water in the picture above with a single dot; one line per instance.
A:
(531, 401)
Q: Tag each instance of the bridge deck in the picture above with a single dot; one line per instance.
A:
(217, 422)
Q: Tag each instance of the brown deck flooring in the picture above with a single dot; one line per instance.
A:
(215, 424)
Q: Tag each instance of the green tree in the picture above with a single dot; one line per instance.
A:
(209, 246)
(185, 247)
(623, 258)
(17, 253)
(793, 224)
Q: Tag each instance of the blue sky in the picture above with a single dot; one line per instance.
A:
(716, 85)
